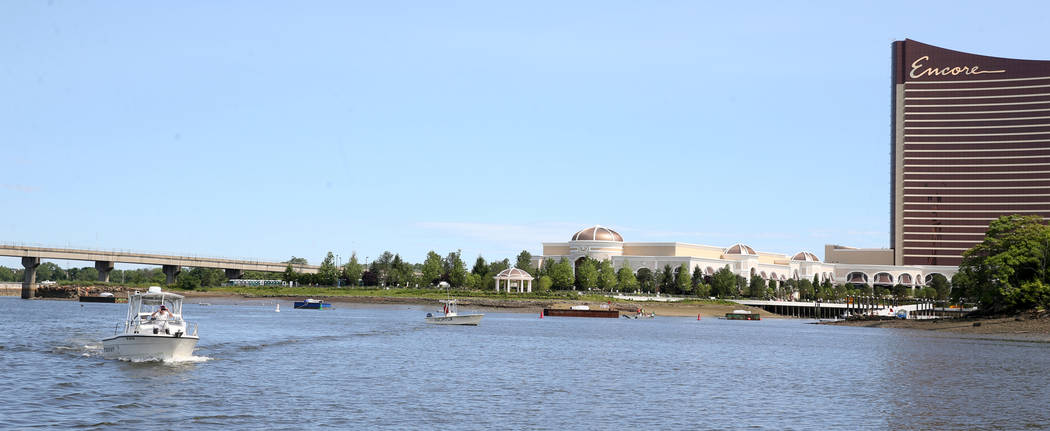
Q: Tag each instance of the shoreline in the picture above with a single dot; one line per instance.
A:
(509, 305)
(1024, 327)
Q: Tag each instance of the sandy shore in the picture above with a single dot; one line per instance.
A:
(1026, 327)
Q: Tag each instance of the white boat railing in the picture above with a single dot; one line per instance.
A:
(136, 326)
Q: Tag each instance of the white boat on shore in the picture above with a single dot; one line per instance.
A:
(449, 314)
(153, 329)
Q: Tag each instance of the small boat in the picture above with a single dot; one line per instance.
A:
(312, 304)
(105, 297)
(153, 329)
(449, 314)
(743, 315)
(641, 315)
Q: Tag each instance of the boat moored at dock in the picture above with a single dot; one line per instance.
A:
(743, 315)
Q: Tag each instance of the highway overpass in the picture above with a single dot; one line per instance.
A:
(104, 261)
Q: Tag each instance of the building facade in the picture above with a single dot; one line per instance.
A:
(971, 142)
(842, 265)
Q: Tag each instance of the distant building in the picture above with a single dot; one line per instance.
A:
(842, 265)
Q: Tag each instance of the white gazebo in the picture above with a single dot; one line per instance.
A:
(513, 279)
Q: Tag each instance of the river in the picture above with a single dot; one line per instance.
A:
(370, 366)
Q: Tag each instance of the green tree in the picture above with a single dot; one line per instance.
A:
(433, 268)
(289, 274)
(524, 262)
(586, 275)
(625, 279)
(353, 270)
(297, 261)
(471, 281)
(457, 273)
(327, 273)
(544, 283)
(757, 287)
(488, 281)
(480, 267)
(561, 274)
(723, 282)
(606, 276)
(666, 281)
(697, 279)
(188, 280)
(646, 283)
(773, 286)
(805, 290)
(7, 274)
(682, 280)
(999, 271)
(939, 283)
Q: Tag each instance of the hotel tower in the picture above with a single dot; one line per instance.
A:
(971, 142)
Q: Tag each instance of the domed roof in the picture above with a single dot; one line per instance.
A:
(805, 256)
(514, 273)
(597, 233)
(739, 248)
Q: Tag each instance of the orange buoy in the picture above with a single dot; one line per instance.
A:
(541, 314)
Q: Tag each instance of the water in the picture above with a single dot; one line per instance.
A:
(361, 367)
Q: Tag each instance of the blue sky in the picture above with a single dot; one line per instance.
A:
(270, 129)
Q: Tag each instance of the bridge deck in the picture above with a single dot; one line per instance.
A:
(148, 259)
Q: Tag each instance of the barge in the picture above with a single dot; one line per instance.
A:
(743, 315)
(557, 312)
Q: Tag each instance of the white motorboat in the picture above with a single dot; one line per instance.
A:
(449, 314)
(153, 329)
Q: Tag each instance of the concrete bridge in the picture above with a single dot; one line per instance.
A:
(860, 305)
(104, 261)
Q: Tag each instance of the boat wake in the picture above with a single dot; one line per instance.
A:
(172, 361)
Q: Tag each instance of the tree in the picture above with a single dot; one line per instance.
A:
(488, 281)
(188, 281)
(698, 278)
(723, 282)
(457, 273)
(939, 283)
(606, 276)
(1005, 272)
(544, 283)
(297, 261)
(353, 270)
(666, 280)
(561, 274)
(524, 262)
(480, 267)
(327, 273)
(433, 268)
(586, 275)
(682, 280)
(625, 280)
(289, 274)
(773, 286)
(645, 280)
(805, 289)
(370, 278)
(757, 287)
(899, 291)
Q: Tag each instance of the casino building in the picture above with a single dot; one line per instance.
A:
(971, 142)
(844, 265)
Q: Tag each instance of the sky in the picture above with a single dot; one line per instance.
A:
(265, 130)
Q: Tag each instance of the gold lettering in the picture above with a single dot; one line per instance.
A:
(919, 69)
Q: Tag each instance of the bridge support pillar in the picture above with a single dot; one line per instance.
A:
(171, 271)
(29, 284)
(103, 267)
(234, 273)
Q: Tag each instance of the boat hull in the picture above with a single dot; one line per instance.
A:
(557, 312)
(312, 306)
(140, 347)
(463, 319)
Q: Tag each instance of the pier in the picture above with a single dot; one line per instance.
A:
(854, 306)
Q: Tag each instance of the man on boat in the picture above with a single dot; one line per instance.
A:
(162, 314)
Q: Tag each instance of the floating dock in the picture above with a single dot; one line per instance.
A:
(556, 312)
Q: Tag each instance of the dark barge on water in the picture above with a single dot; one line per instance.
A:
(743, 315)
(109, 299)
(580, 312)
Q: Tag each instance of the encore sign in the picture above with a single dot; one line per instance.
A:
(918, 71)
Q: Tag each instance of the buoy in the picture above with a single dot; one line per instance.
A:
(541, 314)
(278, 308)
(697, 316)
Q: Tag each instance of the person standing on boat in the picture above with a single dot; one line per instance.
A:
(162, 314)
